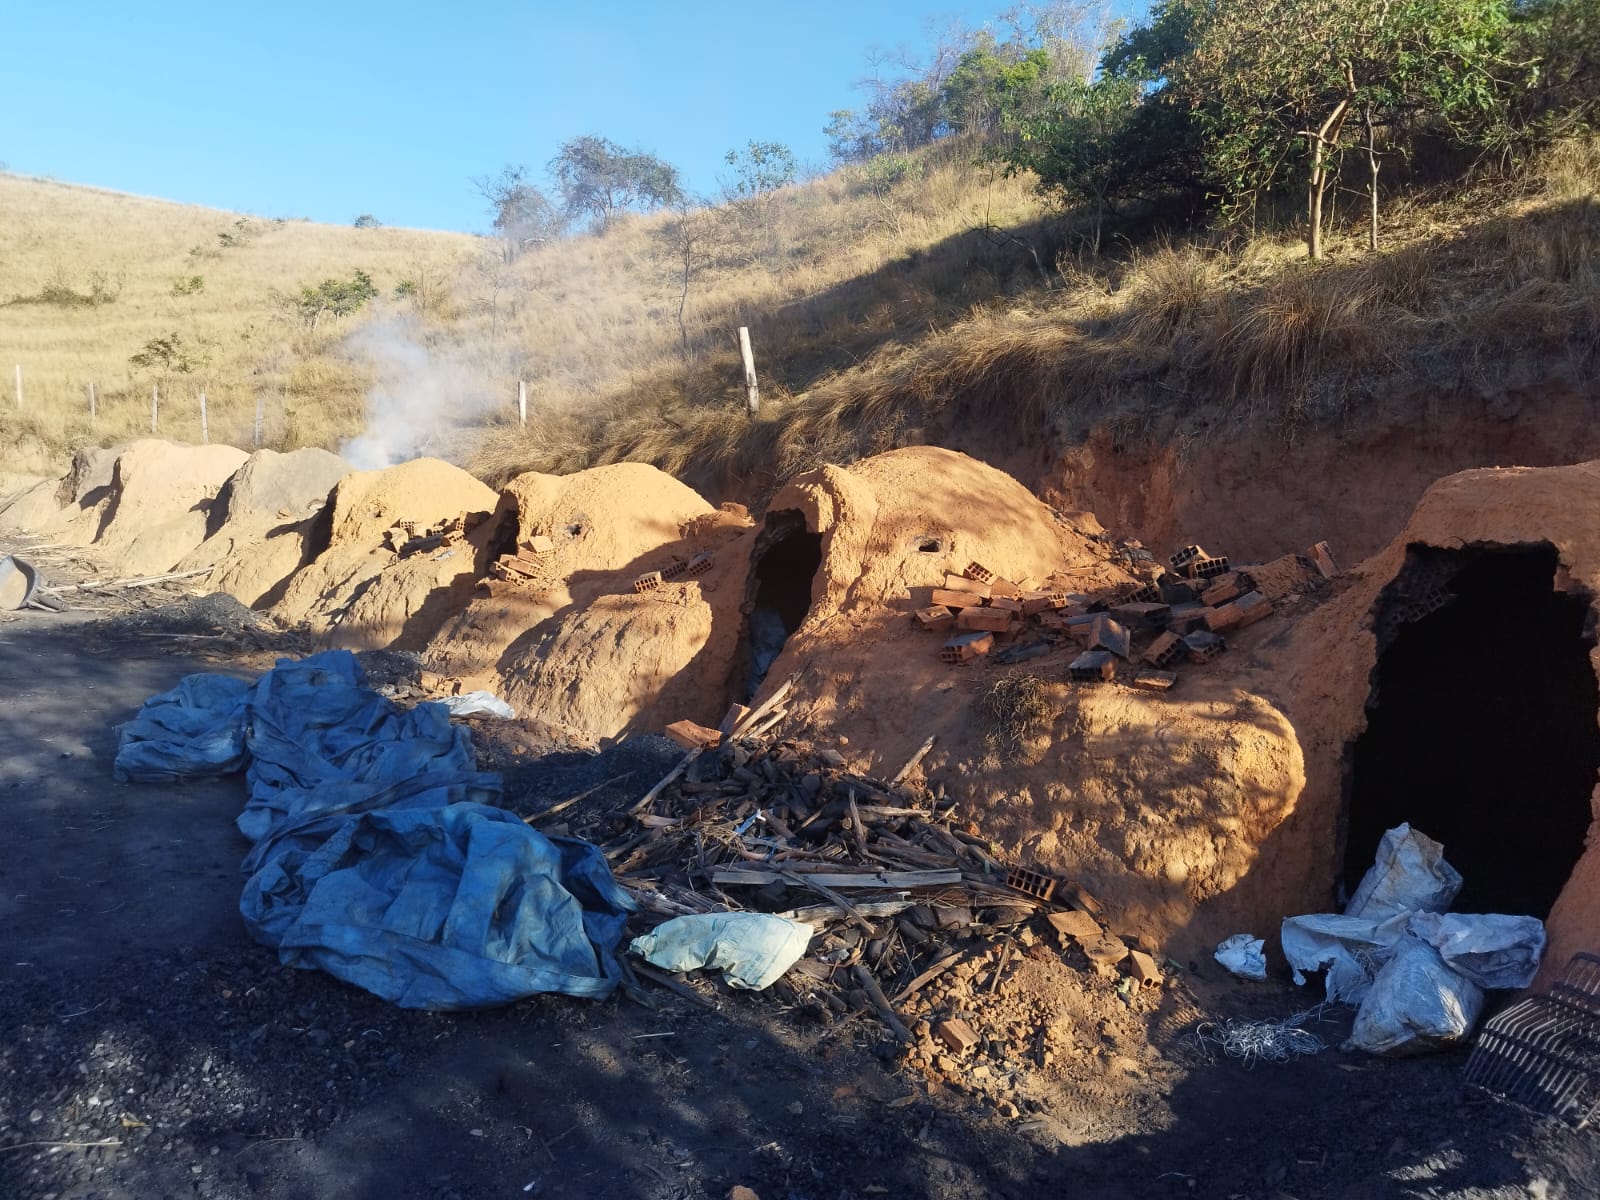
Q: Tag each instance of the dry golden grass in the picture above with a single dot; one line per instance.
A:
(824, 273)
(138, 249)
(1467, 285)
(877, 320)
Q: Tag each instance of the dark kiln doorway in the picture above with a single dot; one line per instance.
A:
(1481, 726)
(786, 559)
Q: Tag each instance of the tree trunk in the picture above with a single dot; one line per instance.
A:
(683, 300)
(1372, 185)
(1317, 183)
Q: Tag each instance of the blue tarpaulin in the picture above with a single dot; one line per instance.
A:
(377, 855)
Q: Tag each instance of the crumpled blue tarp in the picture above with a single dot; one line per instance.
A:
(376, 855)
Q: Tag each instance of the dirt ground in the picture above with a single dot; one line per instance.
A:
(148, 1049)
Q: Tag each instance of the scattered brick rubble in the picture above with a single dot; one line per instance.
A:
(1135, 633)
(405, 538)
(525, 566)
(679, 569)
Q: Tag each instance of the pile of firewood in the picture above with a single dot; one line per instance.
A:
(889, 872)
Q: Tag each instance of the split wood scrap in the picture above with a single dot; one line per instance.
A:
(890, 877)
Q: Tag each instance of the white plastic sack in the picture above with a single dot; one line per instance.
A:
(1491, 949)
(1416, 1004)
(1351, 949)
(1244, 956)
(479, 704)
(753, 950)
(1409, 874)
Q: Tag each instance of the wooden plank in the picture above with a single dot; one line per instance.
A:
(880, 1002)
(911, 763)
(932, 973)
(840, 880)
(820, 914)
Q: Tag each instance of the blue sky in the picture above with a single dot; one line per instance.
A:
(330, 110)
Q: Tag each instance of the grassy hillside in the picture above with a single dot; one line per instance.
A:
(88, 277)
(824, 273)
(881, 314)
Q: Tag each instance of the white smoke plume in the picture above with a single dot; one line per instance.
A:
(419, 394)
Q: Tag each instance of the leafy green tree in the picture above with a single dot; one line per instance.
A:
(760, 169)
(332, 298)
(852, 138)
(1559, 42)
(600, 180)
(1078, 144)
(171, 355)
(523, 215)
(992, 81)
(1286, 85)
(367, 221)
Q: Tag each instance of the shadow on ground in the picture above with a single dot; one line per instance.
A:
(136, 1013)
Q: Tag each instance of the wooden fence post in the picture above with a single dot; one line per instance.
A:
(261, 412)
(93, 413)
(205, 429)
(155, 406)
(522, 400)
(752, 391)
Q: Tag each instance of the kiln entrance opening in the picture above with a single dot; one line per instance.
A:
(786, 561)
(1481, 724)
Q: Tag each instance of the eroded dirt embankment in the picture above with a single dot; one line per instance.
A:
(1255, 489)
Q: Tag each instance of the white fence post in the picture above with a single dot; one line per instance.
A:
(752, 391)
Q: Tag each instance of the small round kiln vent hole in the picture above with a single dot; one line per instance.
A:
(1481, 729)
(929, 546)
(783, 574)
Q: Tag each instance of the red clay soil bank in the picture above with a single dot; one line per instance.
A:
(1216, 808)
(578, 647)
(1257, 491)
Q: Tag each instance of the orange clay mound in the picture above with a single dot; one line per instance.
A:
(32, 506)
(1155, 803)
(361, 591)
(154, 511)
(53, 508)
(576, 646)
(260, 522)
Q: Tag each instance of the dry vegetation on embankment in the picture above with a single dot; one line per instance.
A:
(1473, 290)
(879, 318)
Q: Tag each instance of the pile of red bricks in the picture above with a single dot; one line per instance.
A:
(526, 565)
(405, 538)
(1136, 633)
